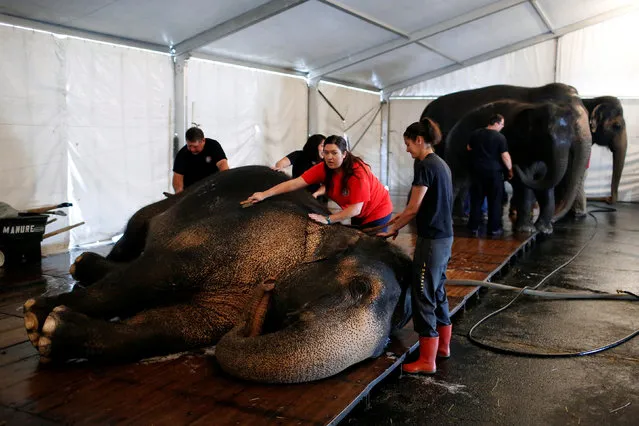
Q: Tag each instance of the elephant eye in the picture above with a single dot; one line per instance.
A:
(616, 127)
(360, 287)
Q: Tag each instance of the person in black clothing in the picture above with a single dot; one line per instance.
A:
(201, 157)
(302, 160)
(431, 201)
(489, 154)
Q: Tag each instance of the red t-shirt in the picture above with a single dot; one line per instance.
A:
(363, 186)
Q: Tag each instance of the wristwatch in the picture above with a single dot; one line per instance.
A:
(328, 220)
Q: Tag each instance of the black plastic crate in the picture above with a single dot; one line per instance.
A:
(20, 238)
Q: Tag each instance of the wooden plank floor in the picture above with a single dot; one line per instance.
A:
(191, 389)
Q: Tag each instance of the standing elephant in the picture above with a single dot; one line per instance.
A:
(291, 299)
(608, 129)
(543, 144)
(566, 172)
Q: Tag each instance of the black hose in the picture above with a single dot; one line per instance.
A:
(529, 290)
(620, 295)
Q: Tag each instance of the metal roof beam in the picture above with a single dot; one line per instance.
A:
(363, 17)
(246, 64)
(432, 49)
(74, 32)
(413, 37)
(511, 48)
(240, 22)
(278, 70)
(542, 15)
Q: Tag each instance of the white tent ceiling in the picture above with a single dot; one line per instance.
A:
(372, 44)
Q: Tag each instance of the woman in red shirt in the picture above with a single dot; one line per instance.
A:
(349, 182)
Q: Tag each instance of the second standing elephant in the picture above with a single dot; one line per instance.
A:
(544, 146)
(552, 108)
(608, 129)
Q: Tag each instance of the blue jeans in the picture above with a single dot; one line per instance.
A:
(430, 304)
(357, 223)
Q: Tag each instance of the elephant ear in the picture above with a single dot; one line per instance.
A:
(595, 118)
(324, 242)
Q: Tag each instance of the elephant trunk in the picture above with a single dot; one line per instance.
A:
(315, 347)
(579, 157)
(618, 161)
(541, 175)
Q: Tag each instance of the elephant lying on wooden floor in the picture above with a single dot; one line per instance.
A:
(288, 299)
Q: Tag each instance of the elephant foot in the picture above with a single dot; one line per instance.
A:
(527, 228)
(35, 312)
(544, 228)
(63, 336)
(257, 308)
(89, 267)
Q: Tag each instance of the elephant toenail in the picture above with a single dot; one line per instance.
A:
(28, 304)
(44, 346)
(60, 308)
(34, 338)
(30, 321)
(49, 325)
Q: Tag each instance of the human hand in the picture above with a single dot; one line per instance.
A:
(255, 198)
(318, 218)
(390, 233)
(277, 169)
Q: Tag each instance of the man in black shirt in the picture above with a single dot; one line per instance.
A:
(201, 157)
(431, 200)
(489, 154)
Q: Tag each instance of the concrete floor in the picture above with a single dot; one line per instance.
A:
(477, 386)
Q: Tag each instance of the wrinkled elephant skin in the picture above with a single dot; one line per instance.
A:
(292, 300)
(608, 129)
(548, 135)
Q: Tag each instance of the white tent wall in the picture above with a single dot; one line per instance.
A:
(119, 123)
(600, 60)
(360, 110)
(403, 112)
(33, 163)
(258, 117)
(531, 66)
(84, 122)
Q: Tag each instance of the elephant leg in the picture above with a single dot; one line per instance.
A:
(515, 200)
(579, 206)
(525, 200)
(70, 335)
(546, 200)
(131, 245)
(460, 195)
(90, 267)
(142, 284)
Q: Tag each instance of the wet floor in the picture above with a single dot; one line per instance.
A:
(477, 386)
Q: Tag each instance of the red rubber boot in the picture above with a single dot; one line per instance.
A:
(426, 361)
(444, 331)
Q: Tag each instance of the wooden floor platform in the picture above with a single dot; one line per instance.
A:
(190, 388)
